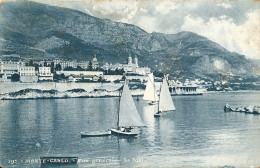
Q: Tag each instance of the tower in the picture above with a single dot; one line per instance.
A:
(129, 60)
(95, 62)
(136, 61)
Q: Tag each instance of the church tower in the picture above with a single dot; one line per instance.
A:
(136, 61)
(129, 60)
(95, 62)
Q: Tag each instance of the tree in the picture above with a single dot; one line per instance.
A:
(158, 74)
(45, 63)
(31, 63)
(69, 69)
(15, 77)
(36, 66)
(116, 71)
(79, 68)
(100, 79)
(58, 67)
(52, 67)
(90, 68)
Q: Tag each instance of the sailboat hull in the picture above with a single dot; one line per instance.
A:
(158, 114)
(122, 133)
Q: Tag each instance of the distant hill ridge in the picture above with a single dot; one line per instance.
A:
(35, 30)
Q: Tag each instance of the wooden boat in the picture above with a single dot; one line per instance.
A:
(58, 160)
(165, 99)
(150, 91)
(127, 116)
(123, 132)
(95, 134)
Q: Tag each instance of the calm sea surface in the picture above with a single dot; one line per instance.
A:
(198, 133)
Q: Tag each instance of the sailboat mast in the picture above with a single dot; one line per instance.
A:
(159, 97)
(154, 88)
(118, 110)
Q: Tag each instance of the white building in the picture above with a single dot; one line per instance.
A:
(9, 65)
(83, 64)
(130, 67)
(28, 74)
(45, 73)
(66, 63)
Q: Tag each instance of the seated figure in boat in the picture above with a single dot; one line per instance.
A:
(127, 129)
(157, 114)
(153, 103)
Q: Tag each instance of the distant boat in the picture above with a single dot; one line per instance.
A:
(150, 91)
(128, 116)
(165, 99)
(95, 134)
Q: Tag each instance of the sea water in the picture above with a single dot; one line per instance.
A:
(199, 133)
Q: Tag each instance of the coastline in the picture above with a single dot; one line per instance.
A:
(56, 90)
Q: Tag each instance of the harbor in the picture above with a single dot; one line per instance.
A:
(198, 128)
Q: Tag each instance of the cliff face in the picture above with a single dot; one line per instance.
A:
(36, 31)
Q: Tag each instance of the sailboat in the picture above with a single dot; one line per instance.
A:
(128, 116)
(150, 91)
(165, 99)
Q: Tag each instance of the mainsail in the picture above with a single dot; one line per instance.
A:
(128, 114)
(165, 101)
(150, 91)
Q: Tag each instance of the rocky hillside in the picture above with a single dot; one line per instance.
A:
(38, 31)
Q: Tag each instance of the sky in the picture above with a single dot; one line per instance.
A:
(235, 25)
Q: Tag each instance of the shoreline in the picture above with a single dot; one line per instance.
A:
(56, 90)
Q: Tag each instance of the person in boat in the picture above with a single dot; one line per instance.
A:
(128, 129)
(159, 112)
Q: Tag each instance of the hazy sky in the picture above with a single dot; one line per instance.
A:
(234, 25)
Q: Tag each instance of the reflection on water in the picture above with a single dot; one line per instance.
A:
(198, 133)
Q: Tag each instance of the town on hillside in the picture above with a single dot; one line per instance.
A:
(13, 68)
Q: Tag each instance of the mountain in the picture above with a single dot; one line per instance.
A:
(37, 31)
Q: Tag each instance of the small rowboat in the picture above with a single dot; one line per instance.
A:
(95, 134)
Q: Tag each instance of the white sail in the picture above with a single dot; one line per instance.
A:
(150, 91)
(165, 101)
(128, 114)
